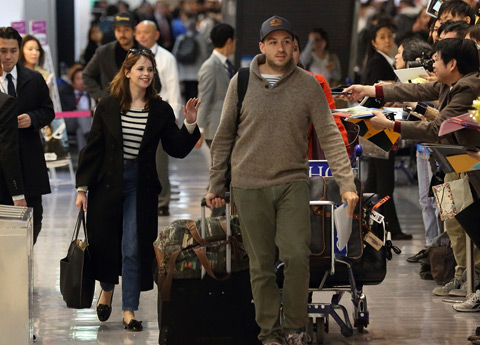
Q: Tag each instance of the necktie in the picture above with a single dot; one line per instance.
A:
(11, 86)
(78, 96)
(231, 69)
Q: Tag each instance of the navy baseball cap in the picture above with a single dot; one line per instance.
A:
(274, 23)
(124, 19)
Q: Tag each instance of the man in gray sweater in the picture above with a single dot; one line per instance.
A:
(270, 176)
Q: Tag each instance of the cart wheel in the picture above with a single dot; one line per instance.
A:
(322, 329)
(310, 330)
(360, 325)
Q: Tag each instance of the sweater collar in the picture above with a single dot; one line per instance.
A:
(260, 59)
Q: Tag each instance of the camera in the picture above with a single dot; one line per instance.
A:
(425, 62)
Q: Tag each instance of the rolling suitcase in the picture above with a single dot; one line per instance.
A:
(204, 301)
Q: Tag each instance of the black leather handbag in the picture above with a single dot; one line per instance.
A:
(77, 284)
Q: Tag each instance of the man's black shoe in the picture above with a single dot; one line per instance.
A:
(163, 211)
(401, 236)
(420, 255)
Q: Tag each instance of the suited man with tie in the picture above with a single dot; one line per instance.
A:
(213, 79)
(35, 111)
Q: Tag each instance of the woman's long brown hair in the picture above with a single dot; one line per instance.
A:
(120, 85)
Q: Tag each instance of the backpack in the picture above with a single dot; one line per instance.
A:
(242, 84)
(188, 50)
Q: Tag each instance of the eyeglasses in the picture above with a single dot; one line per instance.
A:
(135, 51)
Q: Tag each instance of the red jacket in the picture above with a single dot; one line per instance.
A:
(331, 102)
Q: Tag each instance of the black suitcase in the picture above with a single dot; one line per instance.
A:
(207, 310)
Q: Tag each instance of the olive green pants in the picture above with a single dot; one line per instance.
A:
(458, 238)
(273, 217)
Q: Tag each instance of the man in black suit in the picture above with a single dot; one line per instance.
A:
(11, 182)
(35, 110)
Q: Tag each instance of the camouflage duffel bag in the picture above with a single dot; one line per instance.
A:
(181, 251)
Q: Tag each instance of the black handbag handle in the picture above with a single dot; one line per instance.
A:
(80, 221)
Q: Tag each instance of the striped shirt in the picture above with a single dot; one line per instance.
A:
(272, 78)
(133, 127)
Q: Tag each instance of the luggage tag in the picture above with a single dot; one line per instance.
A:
(373, 240)
(376, 217)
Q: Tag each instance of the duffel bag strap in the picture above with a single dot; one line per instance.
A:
(165, 281)
(192, 228)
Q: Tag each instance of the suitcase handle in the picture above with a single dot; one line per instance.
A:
(203, 225)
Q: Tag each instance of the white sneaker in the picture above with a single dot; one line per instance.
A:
(445, 290)
(472, 304)
(460, 292)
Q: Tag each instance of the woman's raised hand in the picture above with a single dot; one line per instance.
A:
(190, 110)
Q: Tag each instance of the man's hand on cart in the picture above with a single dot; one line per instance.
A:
(351, 198)
(214, 200)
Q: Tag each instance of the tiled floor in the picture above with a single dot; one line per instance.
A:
(402, 309)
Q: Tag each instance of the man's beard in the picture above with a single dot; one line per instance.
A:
(277, 66)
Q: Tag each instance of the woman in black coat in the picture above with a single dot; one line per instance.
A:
(117, 166)
(381, 172)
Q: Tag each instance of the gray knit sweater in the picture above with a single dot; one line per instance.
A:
(271, 140)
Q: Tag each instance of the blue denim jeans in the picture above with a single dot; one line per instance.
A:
(429, 207)
(130, 254)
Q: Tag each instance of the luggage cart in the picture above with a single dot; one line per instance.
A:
(339, 273)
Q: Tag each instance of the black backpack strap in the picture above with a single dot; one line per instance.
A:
(242, 84)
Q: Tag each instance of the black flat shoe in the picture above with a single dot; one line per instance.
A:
(417, 257)
(133, 325)
(104, 310)
(401, 236)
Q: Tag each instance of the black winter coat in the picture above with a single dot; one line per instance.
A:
(33, 98)
(100, 168)
(11, 182)
(376, 69)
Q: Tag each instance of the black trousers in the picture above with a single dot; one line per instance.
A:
(381, 180)
(36, 203)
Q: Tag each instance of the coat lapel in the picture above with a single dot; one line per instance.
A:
(22, 78)
(222, 71)
(154, 123)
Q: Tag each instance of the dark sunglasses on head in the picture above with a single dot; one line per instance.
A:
(135, 51)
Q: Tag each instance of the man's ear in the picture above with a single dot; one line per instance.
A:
(261, 45)
(467, 19)
(157, 35)
(452, 65)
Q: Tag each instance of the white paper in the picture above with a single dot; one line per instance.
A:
(343, 224)
(407, 74)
